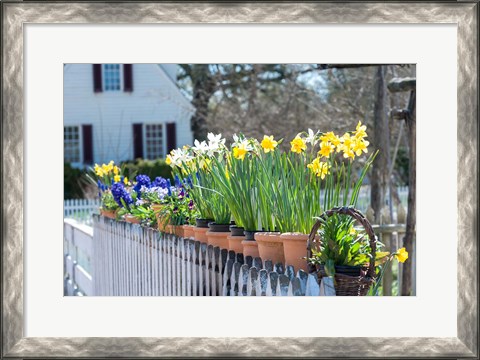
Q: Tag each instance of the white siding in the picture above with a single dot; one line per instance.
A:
(155, 99)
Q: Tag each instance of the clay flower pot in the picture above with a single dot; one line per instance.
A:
(108, 213)
(295, 249)
(235, 243)
(132, 219)
(200, 234)
(218, 239)
(178, 230)
(162, 223)
(250, 248)
(188, 232)
(270, 246)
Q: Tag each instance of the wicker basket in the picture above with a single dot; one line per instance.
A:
(349, 280)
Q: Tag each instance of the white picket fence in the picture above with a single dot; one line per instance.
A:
(131, 260)
(80, 209)
(78, 252)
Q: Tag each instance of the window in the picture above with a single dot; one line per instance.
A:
(71, 144)
(112, 77)
(154, 141)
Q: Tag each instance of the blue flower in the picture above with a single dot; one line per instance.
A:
(178, 183)
(142, 180)
(160, 182)
(189, 181)
(120, 193)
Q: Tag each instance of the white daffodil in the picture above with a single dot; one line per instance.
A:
(200, 147)
(312, 137)
(215, 142)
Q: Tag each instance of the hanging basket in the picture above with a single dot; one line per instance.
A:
(349, 280)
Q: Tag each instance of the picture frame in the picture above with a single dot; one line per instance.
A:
(16, 13)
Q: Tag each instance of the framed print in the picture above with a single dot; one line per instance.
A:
(41, 39)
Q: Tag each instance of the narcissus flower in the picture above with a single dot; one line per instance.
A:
(117, 178)
(331, 137)
(326, 148)
(116, 170)
(298, 145)
(268, 144)
(360, 145)
(361, 131)
(240, 152)
(168, 160)
(401, 255)
(319, 168)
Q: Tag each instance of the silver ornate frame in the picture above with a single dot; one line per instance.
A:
(16, 13)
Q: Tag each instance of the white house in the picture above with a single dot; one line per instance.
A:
(122, 112)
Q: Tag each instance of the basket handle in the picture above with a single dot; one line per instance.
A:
(357, 215)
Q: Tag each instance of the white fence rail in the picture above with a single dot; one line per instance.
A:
(80, 209)
(134, 261)
(78, 251)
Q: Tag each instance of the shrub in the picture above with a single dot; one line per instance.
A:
(72, 183)
(152, 168)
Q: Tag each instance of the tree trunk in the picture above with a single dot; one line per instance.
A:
(408, 240)
(381, 136)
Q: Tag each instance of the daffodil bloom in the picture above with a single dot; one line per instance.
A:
(361, 131)
(298, 145)
(331, 137)
(311, 137)
(105, 168)
(268, 144)
(240, 152)
(401, 255)
(347, 146)
(168, 160)
(352, 231)
(98, 170)
(125, 180)
(116, 170)
(359, 146)
(319, 168)
(116, 178)
(326, 148)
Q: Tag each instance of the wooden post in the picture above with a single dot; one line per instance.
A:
(409, 115)
(387, 241)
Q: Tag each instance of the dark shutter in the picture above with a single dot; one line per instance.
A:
(87, 140)
(97, 77)
(171, 136)
(127, 77)
(137, 141)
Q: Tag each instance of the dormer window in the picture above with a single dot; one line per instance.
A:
(112, 77)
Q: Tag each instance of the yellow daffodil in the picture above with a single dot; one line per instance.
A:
(116, 178)
(330, 137)
(319, 168)
(168, 160)
(268, 144)
(347, 146)
(361, 131)
(98, 170)
(352, 231)
(240, 152)
(105, 168)
(360, 145)
(401, 255)
(298, 145)
(116, 170)
(326, 148)
(125, 180)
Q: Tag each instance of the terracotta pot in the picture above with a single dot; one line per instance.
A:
(162, 223)
(235, 243)
(270, 246)
(203, 222)
(295, 249)
(236, 230)
(178, 230)
(250, 248)
(200, 234)
(219, 239)
(132, 219)
(188, 232)
(112, 214)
